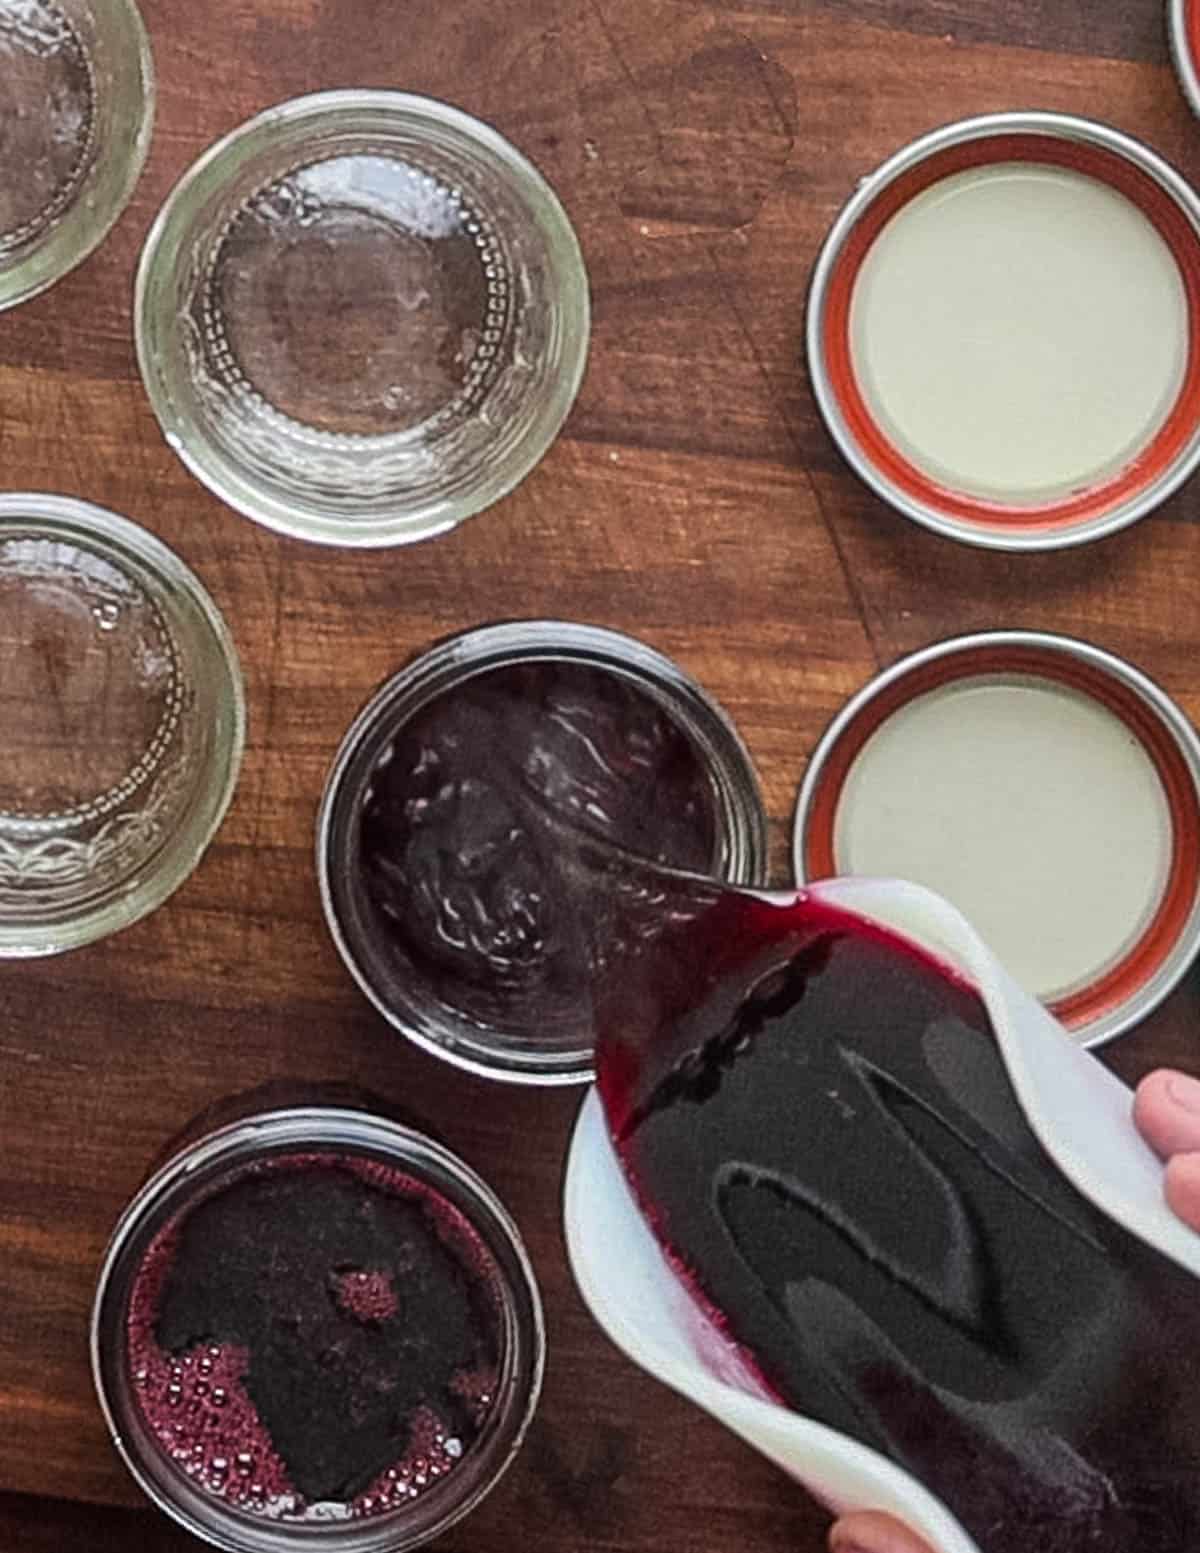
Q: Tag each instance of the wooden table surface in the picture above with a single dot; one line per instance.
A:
(694, 499)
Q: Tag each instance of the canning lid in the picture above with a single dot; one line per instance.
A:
(74, 134)
(206, 1495)
(123, 723)
(1048, 790)
(553, 1046)
(971, 341)
(362, 317)
(1183, 23)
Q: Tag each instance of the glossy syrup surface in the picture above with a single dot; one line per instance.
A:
(476, 820)
(319, 1338)
(818, 1126)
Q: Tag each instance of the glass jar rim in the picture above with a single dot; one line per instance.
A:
(159, 336)
(106, 188)
(175, 587)
(454, 660)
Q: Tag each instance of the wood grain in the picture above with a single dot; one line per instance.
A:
(702, 150)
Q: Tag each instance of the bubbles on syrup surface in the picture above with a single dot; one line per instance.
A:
(198, 1410)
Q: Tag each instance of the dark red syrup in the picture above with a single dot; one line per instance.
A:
(471, 829)
(318, 1330)
(817, 1123)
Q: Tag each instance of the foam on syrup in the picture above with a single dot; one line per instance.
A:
(367, 1296)
(196, 1405)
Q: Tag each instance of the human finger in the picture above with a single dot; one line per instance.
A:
(871, 1532)
(1166, 1111)
(1182, 1187)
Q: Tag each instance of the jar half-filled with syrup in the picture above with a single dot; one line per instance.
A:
(318, 1328)
(467, 835)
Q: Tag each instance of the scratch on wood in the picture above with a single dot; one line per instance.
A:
(852, 587)
(630, 78)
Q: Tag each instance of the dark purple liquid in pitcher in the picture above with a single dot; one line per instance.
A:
(818, 1125)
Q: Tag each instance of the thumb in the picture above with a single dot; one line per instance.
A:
(869, 1532)
(1166, 1109)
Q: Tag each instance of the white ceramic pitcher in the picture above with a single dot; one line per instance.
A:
(1079, 1112)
